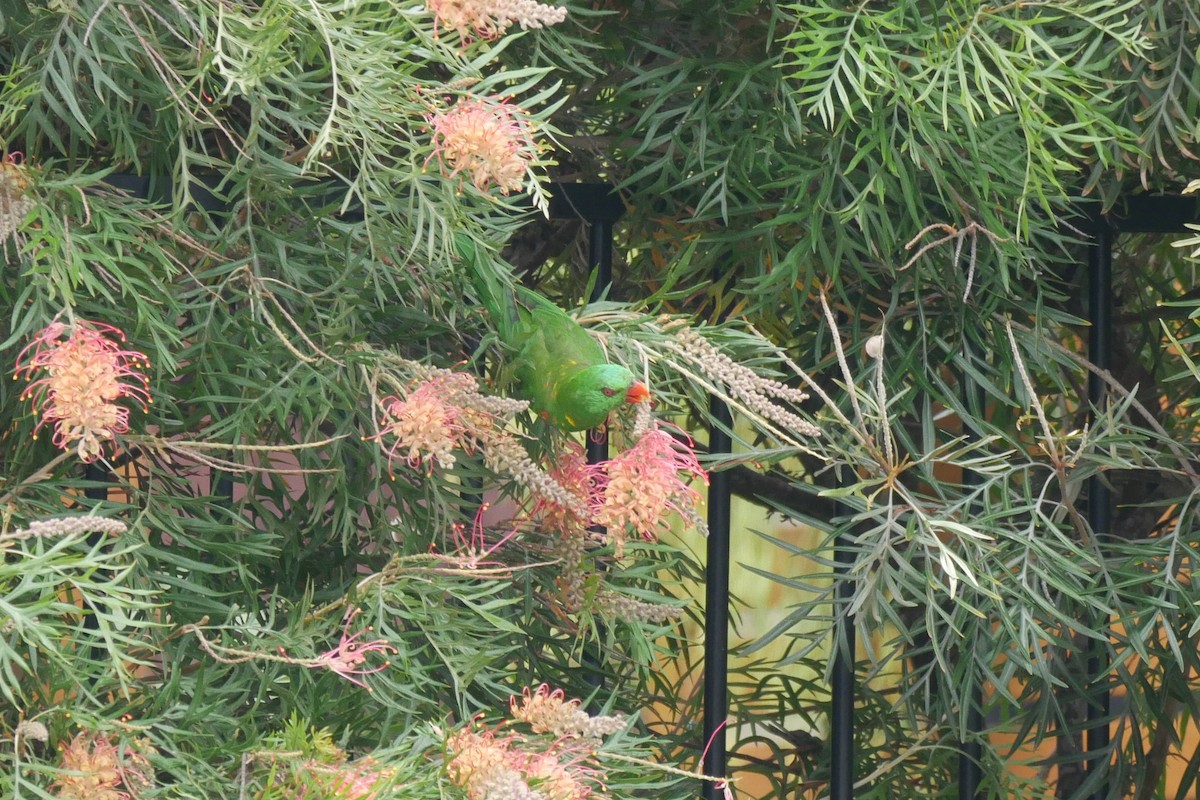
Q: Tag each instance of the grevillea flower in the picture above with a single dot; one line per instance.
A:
(549, 711)
(495, 766)
(348, 658)
(66, 526)
(472, 551)
(492, 767)
(485, 140)
(570, 472)
(84, 372)
(15, 202)
(443, 412)
(428, 424)
(553, 779)
(487, 766)
(357, 780)
(639, 488)
(94, 768)
(488, 19)
(618, 606)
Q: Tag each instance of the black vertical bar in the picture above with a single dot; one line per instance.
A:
(716, 605)
(600, 244)
(969, 773)
(971, 751)
(841, 722)
(1099, 499)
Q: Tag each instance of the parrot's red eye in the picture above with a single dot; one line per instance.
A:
(608, 392)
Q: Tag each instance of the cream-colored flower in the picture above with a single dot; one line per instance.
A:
(489, 19)
(639, 488)
(94, 768)
(485, 140)
(489, 768)
(554, 780)
(549, 711)
(15, 202)
(426, 427)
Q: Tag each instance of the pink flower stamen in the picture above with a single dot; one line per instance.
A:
(639, 488)
(471, 552)
(348, 658)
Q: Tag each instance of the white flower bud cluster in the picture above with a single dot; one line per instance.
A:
(504, 783)
(497, 406)
(643, 418)
(66, 526)
(31, 729)
(504, 454)
(694, 519)
(570, 550)
(526, 13)
(618, 606)
(757, 393)
(491, 18)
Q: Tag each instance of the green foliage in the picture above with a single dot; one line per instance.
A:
(900, 193)
(253, 195)
(897, 194)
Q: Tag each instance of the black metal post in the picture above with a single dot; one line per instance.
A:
(969, 773)
(971, 751)
(600, 244)
(1099, 497)
(716, 606)
(595, 205)
(841, 727)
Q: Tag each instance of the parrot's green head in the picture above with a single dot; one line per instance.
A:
(586, 399)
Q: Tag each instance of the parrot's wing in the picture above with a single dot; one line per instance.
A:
(563, 337)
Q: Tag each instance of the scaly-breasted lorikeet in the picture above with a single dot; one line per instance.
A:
(560, 369)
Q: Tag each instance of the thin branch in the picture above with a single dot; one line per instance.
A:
(1185, 460)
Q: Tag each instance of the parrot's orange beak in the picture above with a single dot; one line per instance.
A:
(638, 393)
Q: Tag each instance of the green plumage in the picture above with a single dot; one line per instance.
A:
(559, 368)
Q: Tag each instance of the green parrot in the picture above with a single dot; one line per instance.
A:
(560, 369)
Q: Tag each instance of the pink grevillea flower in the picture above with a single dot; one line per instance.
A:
(357, 780)
(472, 552)
(94, 768)
(349, 657)
(639, 488)
(569, 471)
(486, 141)
(495, 766)
(488, 19)
(427, 425)
(84, 371)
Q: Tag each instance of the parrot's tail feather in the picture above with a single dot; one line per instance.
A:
(491, 283)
